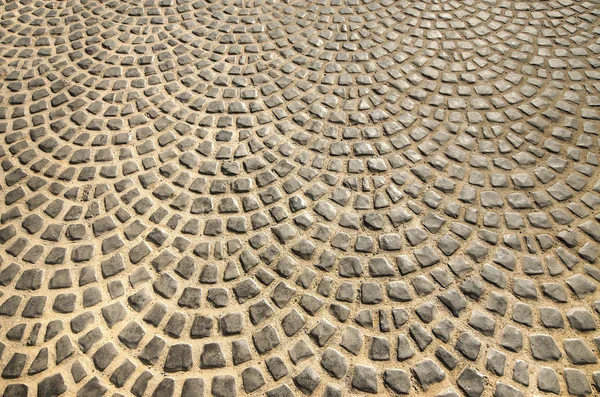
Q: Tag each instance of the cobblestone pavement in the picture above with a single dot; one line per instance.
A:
(285, 198)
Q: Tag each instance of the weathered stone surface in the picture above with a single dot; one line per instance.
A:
(427, 373)
(291, 198)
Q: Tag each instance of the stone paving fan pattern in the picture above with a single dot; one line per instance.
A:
(285, 198)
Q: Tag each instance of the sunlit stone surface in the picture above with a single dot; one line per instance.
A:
(286, 198)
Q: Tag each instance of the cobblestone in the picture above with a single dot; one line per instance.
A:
(282, 198)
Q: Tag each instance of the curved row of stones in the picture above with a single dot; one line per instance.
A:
(299, 198)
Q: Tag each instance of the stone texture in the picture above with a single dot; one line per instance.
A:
(299, 198)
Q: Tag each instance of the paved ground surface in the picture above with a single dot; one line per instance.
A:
(288, 198)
